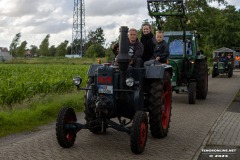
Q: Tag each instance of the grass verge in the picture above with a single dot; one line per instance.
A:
(38, 113)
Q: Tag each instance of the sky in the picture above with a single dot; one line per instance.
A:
(35, 19)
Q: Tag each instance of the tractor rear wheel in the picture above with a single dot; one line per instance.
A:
(139, 132)
(65, 137)
(201, 77)
(192, 93)
(160, 105)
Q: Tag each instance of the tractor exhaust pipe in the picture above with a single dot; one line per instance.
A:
(123, 58)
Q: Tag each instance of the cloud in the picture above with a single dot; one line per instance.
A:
(35, 19)
(114, 7)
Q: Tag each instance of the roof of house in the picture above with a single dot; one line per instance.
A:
(3, 49)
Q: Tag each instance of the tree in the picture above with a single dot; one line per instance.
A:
(218, 27)
(44, 46)
(95, 50)
(21, 50)
(13, 45)
(52, 50)
(34, 50)
(95, 37)
(62, 49)
(69, 49)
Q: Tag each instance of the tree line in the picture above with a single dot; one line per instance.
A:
(217, 27)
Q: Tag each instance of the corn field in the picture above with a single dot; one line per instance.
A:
(24, 81)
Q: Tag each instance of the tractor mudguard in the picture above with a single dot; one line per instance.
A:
(92, 70)
(157, 71)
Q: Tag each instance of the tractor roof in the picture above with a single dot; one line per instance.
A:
(224, 49)
(177, 33)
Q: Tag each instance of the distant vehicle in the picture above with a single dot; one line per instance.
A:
(223, 62)
(237, 60)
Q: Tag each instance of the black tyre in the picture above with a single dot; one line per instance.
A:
(201, 76)
(230, 71)
(192, 93)
(65, 137)
(89, 111)
(160, 106)
(139, 132)
(214, 74)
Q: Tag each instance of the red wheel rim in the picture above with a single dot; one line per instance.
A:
(143, 134)
(166, 104)
(69, 135)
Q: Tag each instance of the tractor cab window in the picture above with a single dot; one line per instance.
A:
(189, 47)
(176, 47)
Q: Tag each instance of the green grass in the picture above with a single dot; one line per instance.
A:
(29, 116)
(39, 110)
(55, 60)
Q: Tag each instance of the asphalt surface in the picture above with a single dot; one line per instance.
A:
(191, 129)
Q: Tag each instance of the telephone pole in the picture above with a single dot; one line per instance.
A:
(78, 29)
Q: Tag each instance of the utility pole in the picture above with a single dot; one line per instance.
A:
(78, 29)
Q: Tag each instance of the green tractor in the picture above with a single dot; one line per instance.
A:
(190, 70)
(223, 62)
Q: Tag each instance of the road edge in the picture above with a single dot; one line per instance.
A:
(197, 154)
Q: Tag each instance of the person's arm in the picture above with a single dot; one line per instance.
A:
(162, 52)
(165, 53)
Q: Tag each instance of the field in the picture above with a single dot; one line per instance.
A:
(24, 81)
(32, 91)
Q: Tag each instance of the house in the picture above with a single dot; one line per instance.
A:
(4, 54)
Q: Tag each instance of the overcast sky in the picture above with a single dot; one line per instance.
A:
(35, 19)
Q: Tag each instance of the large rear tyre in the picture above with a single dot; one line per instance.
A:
(201, 76)
(139, 132)
(65, 137)
(160, 105)
(192, 93)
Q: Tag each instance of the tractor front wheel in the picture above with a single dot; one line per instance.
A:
(139, 132)
(214, 73)
(65, 136)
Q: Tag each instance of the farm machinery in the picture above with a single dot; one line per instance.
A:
(190, 70)
(121, 93)
(223, 62)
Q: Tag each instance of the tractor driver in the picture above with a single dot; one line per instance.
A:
(229, 56)
(135, 49)
(223, 58)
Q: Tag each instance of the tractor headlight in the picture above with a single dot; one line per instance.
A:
(129, 82)
(77, 81)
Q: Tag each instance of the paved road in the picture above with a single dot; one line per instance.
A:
(190, 126)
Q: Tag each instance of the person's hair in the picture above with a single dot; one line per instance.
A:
(147, 24)
(159, 32)
(132, 29)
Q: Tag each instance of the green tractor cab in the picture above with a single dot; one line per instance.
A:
(189, 64)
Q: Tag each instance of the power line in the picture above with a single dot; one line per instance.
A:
(78, 29)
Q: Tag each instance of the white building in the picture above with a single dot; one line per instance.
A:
(4, 54)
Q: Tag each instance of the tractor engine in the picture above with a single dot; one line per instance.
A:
(104, 102)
